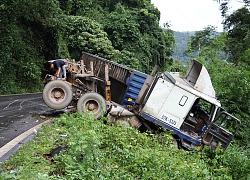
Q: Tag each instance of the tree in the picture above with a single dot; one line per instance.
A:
(33, 32)
(238, 25)
(247, 2)
(207, 43)
(233, 88)
(84, 34)
(138, 32)
(28, 33)
(231, 81)
(202, 39)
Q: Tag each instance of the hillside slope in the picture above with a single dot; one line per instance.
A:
(97, 150)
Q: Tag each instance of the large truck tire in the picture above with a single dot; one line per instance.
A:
(57, 94)
(93, 104)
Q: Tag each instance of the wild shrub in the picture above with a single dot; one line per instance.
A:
(96, 149)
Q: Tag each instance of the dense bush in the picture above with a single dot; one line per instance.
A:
(98, 150)
(33, 32)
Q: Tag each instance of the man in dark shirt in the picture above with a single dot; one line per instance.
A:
(60, 66)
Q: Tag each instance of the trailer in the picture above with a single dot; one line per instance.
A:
(186, 106)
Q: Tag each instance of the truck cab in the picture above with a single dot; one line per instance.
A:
(188, 107)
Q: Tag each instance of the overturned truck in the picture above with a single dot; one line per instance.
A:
(187, 106)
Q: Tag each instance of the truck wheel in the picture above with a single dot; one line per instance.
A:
(92, 103)
(57, 94)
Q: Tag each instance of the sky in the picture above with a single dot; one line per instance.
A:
(192, 15)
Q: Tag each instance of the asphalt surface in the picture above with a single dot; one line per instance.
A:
(20, 117)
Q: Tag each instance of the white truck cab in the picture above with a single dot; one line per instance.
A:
(188, 107)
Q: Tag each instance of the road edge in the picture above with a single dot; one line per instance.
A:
(11, 147)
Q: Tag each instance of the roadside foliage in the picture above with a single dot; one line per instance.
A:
(33, 32)
(95, 149)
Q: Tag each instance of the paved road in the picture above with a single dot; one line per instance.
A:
(19, 113)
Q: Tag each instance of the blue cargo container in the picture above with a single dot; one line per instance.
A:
(134, 85)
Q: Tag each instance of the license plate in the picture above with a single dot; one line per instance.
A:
(170, 120)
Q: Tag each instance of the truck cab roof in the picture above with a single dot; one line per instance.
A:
(197, 81)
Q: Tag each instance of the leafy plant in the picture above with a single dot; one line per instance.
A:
(101, 150)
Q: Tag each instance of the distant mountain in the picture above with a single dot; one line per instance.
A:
(181, 39)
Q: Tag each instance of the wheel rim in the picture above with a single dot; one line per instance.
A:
(57, 95)
(91, 106)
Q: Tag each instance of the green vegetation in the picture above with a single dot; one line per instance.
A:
(33, 32)
(128, 32)
(98, 150)
(226, 56)
(231, 81)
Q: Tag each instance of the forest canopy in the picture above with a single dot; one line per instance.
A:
(33, 32)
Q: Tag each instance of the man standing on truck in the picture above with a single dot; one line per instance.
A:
(58, 67)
